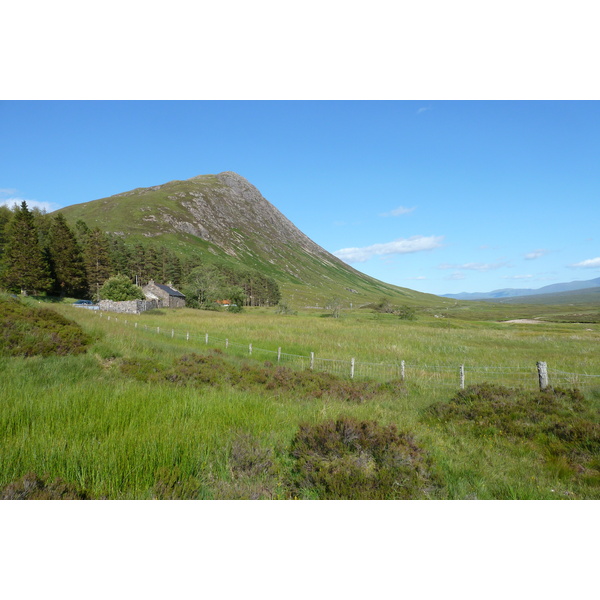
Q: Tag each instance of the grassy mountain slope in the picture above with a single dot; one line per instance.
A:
(225, 216)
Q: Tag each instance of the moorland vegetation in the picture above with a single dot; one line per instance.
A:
(144, 416)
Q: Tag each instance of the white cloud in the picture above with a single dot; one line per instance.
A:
(517, 277)
(475, 266)
(401, 210)
(536, 254)
(590, 263)
(418, 278)
(456, 277)
(417, 243)
(423, 109)
(47, 206)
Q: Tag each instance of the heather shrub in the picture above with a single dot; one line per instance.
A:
(359, 460)
(141, 369)
(33, 487)
(202, 369)
(215, 370)
(560, 423)
(173, 484)
(252, 472)
(32, 331)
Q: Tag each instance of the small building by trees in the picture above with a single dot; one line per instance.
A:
(167, 297)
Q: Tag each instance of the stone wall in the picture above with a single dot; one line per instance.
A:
(131, 307)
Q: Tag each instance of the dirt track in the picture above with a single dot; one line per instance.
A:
(525, 321)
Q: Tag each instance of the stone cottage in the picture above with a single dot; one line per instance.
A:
(167, 297)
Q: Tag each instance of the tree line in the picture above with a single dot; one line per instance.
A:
(41, 253)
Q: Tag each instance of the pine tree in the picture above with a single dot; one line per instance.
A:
(170, 266)
(42, 221)
(5, 216)
(97, 260)
(153, 268)
(138, 264)
(66, 259)
(24, 266)
(120, 256)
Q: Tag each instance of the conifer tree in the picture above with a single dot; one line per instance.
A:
(97, 260)
(152, 265)
(170, 266)
(42, 221)
(5, 216)
(24, 267)
(138, 264)
(66, 259)
(120, 256)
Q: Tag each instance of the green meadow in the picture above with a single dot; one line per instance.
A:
(151, 410)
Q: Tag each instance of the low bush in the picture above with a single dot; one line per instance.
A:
(404, 312)
(558, 422)
(173, 484)
(141, 369)
(216, 370)
(252, 472)
(32, 331)
(359, 460)
(120, 288)
(33, 487)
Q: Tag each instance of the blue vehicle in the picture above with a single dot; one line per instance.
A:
(86, 304)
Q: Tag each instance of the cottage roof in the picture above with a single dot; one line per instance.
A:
(169, 290)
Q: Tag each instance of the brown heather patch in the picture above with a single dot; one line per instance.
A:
(216, 370)
(26, 331)
(253, 474)
(359, 460)
(173, 484)
(33, 487)
(560, 423)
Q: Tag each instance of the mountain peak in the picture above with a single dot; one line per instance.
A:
(225, 215)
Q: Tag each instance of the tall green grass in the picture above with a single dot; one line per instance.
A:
(82, 419)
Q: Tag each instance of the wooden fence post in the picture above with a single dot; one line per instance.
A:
(312, 360)
(351, 368)
(462, 377)
(172, 333)
(279, 354)
(226, 343)
(542, 368)
(402, 370)
(249, 349)
(206, 338)
(187, 336)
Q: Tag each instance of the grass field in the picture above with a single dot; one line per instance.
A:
(131, 419)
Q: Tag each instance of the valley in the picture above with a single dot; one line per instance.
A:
(151, 410)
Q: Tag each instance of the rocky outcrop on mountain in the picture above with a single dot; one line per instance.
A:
(226, 215)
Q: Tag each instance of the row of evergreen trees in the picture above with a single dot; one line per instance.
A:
(41, 253)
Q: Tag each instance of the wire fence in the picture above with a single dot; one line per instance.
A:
(438, 376)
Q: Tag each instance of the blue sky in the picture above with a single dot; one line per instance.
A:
(437, 196)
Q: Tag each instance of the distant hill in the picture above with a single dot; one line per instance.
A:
(518, 293)
(583, 296)
(226, 216)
